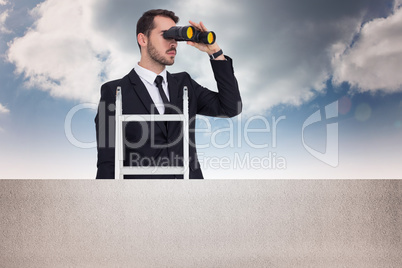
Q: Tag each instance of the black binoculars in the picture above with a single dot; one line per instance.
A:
(189, 33)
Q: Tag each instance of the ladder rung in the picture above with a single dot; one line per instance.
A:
(155, 170)
(148, 117)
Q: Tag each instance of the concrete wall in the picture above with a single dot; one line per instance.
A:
(200, 223)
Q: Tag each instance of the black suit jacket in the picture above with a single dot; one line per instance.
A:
(146, 142)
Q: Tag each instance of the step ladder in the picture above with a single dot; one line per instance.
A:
(121, 170)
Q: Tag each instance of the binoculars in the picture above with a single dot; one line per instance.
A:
(189, 33)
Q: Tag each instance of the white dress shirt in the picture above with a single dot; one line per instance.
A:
(148, 78)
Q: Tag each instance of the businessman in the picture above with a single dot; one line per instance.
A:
(150, 89)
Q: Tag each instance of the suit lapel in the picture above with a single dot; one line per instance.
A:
(174, 93)
(143, 95)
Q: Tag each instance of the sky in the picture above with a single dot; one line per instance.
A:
(320, 83)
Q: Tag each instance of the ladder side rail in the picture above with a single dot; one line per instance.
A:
(118, 138)
(186, 141)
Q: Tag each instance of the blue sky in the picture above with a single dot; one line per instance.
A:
(295, 62)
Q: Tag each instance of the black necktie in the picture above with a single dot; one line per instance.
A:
(158, 82)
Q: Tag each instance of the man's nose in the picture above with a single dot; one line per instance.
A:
(173, 42)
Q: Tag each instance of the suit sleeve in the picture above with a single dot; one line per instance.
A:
(105, 129)
(227, 102)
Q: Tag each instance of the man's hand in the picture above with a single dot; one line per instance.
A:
(210, 49)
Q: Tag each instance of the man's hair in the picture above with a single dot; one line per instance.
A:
(146, 23)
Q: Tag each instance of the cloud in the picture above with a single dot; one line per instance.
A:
(374, 61)
(3, 17)
(3, 109)
(283, 50)
(62, 53)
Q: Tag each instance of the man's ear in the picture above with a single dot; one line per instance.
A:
(142, 39)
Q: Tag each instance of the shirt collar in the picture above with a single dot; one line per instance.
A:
(148, 75)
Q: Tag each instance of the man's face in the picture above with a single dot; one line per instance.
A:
(162, 50)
